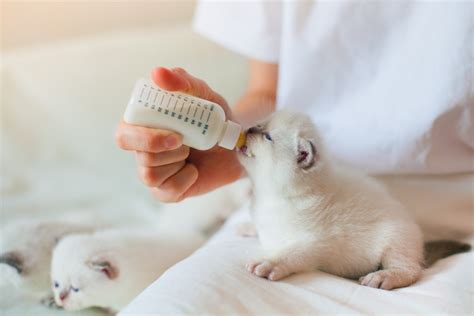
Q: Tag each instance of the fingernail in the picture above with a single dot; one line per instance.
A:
(171, 142)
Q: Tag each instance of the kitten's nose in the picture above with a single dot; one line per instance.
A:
(252, 130)
(63, 295)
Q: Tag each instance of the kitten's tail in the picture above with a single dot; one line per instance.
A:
(439, 249)
(14, 260)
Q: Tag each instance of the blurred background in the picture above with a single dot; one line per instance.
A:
(67, 71)
(32, 23)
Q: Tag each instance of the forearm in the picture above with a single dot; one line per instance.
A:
(259, 100)
(253, 106)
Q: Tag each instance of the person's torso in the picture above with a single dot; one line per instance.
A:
(388, 84)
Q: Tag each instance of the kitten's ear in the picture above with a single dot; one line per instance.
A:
(13, 259)
(306, 153)
(103, 266)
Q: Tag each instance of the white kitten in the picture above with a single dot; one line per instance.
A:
(27, 245)
(108, 269)
(311, 213)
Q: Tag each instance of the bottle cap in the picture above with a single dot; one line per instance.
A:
(231, 135)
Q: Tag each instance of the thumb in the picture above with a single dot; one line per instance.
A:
(177, 79)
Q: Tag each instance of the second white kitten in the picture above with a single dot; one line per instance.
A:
(108, 269)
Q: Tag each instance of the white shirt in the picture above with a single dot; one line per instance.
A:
(389, 84)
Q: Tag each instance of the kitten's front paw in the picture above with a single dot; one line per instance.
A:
(268, 269)
(50, 302)
(382, 279)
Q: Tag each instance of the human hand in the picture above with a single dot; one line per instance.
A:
(171, 170)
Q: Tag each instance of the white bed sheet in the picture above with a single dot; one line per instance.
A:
(214, 281)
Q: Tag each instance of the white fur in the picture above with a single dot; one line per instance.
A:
(138, 257)
(326, 216)
(32, 241)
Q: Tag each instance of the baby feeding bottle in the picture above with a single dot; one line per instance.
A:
(201, 123)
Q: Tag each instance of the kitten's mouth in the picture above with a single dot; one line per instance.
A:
(246, 151)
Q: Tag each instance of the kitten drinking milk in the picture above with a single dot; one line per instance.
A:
(109, 268)
(311, 213)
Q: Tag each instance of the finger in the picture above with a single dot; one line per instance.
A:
(174, 188)
(147, 159)
(177, 79)
(169, 80)
(156, 176)
(138, 138)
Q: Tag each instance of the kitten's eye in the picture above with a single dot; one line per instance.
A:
(75, 289)
(267, 136)
(56, 284)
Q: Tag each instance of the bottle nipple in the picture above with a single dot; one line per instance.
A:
(241, 141)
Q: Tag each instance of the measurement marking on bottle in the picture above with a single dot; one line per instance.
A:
(174, 109)
(177, 110)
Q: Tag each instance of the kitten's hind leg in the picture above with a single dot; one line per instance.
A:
(401, 267)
